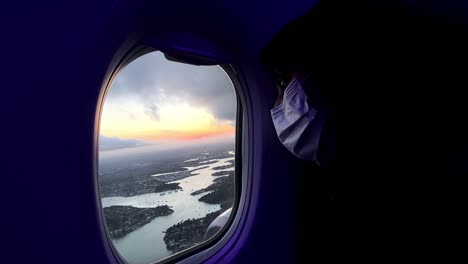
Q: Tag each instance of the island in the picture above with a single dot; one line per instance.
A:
(221, 192)
(121, 220)
(188, 233)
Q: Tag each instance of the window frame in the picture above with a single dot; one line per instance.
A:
(212, 246)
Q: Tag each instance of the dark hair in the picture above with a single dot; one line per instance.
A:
(292, 48)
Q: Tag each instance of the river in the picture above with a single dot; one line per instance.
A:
(145, 245)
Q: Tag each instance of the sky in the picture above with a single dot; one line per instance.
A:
(156, 101)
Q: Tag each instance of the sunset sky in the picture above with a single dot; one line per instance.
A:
(155, 100)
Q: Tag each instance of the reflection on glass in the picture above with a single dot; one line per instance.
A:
(166, 156)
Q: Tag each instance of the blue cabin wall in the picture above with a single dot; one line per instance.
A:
(55, 59)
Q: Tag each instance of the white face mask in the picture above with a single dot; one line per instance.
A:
(297, 125)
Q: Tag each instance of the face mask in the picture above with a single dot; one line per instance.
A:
(298, 126)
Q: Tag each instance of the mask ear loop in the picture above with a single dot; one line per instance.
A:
(283, 84)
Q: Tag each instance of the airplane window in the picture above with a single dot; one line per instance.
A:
(166, 157)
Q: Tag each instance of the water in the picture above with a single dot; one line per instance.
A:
(145, 245)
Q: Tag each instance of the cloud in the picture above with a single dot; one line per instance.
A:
(152, 110)
(112, 143)
(156, 81)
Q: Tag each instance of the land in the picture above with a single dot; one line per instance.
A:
(134, 175)
(208, 158)
(221, 192)
(137, 186)
(223, 167)
(223, 173)
(130, 177)
(188, 233)
(218, 184)
(121, 220)
(150, 184)
(192, 231)
(178, 175)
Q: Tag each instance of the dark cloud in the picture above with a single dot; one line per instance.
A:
(155, 81)
(152, 110)
(111, 143)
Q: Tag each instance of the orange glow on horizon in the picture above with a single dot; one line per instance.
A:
(180, 122)
(188, 135)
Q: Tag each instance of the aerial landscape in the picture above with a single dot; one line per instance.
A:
(166, 157)
(141, 189)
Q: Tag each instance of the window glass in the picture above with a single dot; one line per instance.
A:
(166, 156)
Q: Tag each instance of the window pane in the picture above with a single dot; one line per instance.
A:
(166, 156)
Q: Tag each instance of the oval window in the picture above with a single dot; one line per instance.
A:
(166, 157)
